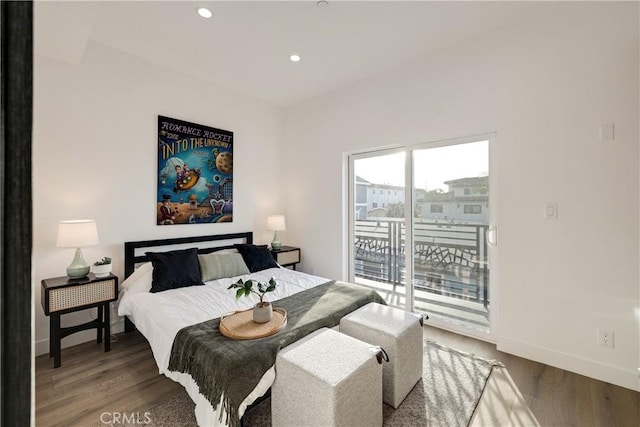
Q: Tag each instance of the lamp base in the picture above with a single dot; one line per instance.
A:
(78, 267)
(275, 244)
(78, 272)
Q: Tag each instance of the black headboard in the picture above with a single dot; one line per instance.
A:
(130, 248)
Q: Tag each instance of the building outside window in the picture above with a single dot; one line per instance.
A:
(472, 209)
(436, 208)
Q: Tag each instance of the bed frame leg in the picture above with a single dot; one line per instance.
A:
(128, 325)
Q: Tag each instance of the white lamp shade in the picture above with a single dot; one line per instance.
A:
(77, 233)
(276, 223)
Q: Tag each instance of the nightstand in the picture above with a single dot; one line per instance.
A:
(286, 256)
(61, 295)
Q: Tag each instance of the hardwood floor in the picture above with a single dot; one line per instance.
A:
(91, 383)
(555, 397)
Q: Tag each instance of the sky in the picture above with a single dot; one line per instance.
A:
(432, 166)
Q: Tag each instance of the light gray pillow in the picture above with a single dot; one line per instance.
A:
(219, 265)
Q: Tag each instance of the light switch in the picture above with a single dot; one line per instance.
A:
(606, 131)
(551, 211)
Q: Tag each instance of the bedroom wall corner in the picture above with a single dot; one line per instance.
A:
(544, 85)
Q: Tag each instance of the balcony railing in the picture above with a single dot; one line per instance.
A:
(449, 259)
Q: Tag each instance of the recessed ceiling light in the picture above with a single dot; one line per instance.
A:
(322, 3)
(204, 12)
(294, 58)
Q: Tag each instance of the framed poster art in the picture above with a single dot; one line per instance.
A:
(195, 173)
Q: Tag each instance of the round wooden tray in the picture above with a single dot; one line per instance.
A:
(239, 325)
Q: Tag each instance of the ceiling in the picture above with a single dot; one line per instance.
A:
(246, 46)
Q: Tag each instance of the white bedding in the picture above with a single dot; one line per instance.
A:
(159, 317)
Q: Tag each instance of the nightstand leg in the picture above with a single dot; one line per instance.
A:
(101, 322)
(107, 327)
(55, 339)
(51, 327)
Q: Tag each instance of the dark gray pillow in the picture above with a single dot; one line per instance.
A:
(174, 269)
(217, 266)
(257, 258)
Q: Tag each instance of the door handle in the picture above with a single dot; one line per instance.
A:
(492, 236)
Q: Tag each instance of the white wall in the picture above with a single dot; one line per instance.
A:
(94, 148)
(544, 85)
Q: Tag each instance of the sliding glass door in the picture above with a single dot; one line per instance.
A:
(444, 218)
(450, 224)
(378, 224)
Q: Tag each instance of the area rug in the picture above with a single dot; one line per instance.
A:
(447, 395)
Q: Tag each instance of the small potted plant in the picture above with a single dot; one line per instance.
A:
(263, 311)
(102, 268)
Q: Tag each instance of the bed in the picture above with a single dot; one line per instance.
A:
(163, 316)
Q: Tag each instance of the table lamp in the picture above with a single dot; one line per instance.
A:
(276, 223)
(77, 234)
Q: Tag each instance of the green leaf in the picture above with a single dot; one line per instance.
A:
(272, 285)
(238, 284)
(239, 292)
(261, 287)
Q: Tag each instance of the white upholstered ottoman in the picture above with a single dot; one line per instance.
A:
(327, 379)
(399, 333)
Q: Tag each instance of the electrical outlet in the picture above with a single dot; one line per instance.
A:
(605, 337)
(551, 211)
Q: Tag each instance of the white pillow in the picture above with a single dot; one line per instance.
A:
(140, 280)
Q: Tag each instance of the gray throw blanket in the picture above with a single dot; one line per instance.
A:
(231, 369)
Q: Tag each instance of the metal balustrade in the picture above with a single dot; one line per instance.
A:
(449, 259)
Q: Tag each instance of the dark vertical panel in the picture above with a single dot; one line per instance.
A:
(16, 93)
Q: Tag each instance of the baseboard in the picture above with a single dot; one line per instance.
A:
(627, 378)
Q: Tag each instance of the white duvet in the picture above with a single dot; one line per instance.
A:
(159, 317)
